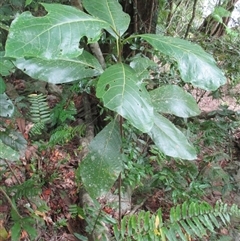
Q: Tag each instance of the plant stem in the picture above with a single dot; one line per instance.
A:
(10, 202)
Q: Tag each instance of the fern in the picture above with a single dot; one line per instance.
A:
(64, 134)
(39, 109)
(39, 113)
(186, 220)
(63, 111)
(27, 189)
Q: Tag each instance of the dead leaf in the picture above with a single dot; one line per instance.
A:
(21, 123)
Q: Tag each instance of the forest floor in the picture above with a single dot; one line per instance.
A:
(57, 167)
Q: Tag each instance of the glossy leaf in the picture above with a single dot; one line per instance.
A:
(101, 167)
(6, 66)
(111, 12)
(6, 152)
(58, 71)
(120, 91)
(7, 107)
(174, 100)
(13, 139)
(53, 36)
(141, 66)
(194, 64)
(170, 140)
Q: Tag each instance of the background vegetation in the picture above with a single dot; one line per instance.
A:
(103, 135)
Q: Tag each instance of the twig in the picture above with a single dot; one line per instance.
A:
(192, 18)
(137, 207)
(10, 202)
(12, 171)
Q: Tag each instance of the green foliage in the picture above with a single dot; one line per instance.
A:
(174, 100)
(120, 87)
(103, 164)
(39, 109)
(27, 189)
(114, 87)
(202, 70)
(39, 113)
(13, 139)
(54, 48)
(7, 153)
(109, 11)
(7, 107)
(63, 112)
(190, 219)
(63, 134)
(6, 67)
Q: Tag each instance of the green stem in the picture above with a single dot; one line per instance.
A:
(4, 26)
(10, 202)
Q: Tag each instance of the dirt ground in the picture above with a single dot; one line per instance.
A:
(207, 103)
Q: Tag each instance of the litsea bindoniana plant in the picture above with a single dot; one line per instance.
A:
(47, 48)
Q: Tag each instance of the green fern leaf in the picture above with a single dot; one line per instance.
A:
(201, 228)
(178, 231)
(213, 220)
(186, 227)
(208, 223)
(193, 227)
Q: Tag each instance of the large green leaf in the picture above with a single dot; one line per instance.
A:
(141, 66)
(7, 107)
(103, 164)
(170, 140)
(61, 70)
(174, 100)
(111, 12)
(195, 65)
(6, 152)
(6, 66)
(55, 35)
(121, 91)
(13, 139)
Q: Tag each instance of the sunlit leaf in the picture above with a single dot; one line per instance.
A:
(103, 164)
(194, 64)
(53, 36)
(170, 140)
(111, 12)
(6, 66)
(58, 71)
(13, 139)
(7, 153)
(7, 107)
(120, 91)
(174, 100)
(141, 66)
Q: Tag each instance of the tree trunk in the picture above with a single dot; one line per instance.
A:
(144, 16)
(214, 28)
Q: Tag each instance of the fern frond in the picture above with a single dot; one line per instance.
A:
(186, 220)
(29, 188)
(64, 134)
(63, 112)
(39, 109)
(39, 113)
(37, 129)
